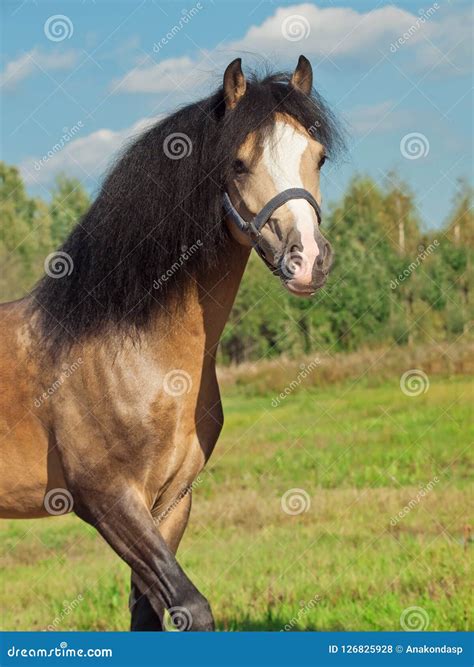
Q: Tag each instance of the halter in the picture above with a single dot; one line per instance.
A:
(253, 227)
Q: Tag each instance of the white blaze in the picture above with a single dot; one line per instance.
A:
(282, 155)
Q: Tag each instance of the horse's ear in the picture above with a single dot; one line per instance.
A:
(302, 78)
(234, 83)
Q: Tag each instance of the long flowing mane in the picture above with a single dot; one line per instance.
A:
(151, 208)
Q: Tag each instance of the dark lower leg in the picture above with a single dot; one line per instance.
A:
(125, 522)
(143, 616)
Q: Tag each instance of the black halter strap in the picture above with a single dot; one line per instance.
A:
(254, 226)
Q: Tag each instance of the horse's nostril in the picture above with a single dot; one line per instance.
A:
(324, 257)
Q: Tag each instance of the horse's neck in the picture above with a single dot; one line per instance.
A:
(217, 293)
(199, 322)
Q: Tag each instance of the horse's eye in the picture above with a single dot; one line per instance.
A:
(240, 168)
(322, 161)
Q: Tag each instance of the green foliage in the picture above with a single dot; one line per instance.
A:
(31, 229)
(460, 226)
(68, 204)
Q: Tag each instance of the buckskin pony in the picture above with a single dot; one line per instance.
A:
(110, 404)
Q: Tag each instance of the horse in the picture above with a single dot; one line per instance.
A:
(111, 406)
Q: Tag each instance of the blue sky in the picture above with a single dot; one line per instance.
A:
(90, 74)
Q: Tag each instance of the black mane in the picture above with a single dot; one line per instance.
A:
(152, 208)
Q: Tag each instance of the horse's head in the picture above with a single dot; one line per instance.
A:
(273, 194)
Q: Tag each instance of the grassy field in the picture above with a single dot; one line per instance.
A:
(358, 454)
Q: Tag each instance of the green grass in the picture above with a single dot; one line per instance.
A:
(360, 453)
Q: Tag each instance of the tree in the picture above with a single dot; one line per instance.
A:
(399, 217)
(25, 236)
(68, 204)
(359, 285)
(459, 228)
(457, 257)
(31, 229)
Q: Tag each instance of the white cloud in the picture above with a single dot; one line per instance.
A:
(325, 32)
(167, 75)
(330, 33)
(342, 32)
(447, 45)
(35, 61)
(82, 157)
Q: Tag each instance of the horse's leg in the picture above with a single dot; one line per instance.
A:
(143, 616)
(124, 520)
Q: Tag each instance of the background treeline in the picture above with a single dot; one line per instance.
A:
(392, 281)
(377, 236)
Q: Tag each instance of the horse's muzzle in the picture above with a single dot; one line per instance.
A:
(300, 272)
(303, 275)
